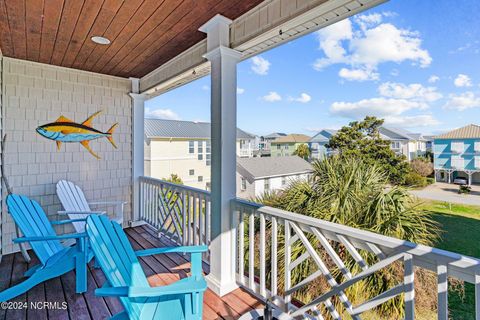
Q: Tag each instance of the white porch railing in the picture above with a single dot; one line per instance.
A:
(182, 214)
(178, 212)
(292, 228)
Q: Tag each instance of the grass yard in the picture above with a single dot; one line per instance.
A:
(461, 233)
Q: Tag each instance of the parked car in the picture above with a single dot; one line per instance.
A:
(460, 181)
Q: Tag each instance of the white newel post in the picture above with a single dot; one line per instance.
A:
(138, 111)
(223, 138)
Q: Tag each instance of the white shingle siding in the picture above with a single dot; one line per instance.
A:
(36, 94)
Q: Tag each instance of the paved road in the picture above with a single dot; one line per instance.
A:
(449, 193)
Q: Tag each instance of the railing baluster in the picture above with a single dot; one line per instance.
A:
(408, 281)
(263, 291)
(274, 272)
(201, 219)
(477, 294)
(251, 252)
(184, 219)
(241, 246)
(442, 287)
(195, 219)
(288, 272)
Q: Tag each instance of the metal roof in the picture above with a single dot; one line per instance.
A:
(392, 133)
(260, 167)
(324, 135)
(275, 135)
(472, 131)
(161, 128)
(292, 138)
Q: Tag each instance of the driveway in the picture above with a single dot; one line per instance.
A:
(449, 193)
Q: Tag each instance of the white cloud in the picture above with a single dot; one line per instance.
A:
(463, 101)
(358, 74)
(272, 96)
(424, 120)
(462, 80)
(260, 65)
(374, 43)
(161, 114)
(433, 79)
(240, 90)
(303, 98)
(414, 91)
(380, 107)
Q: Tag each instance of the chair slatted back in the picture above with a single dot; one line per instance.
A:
(73, 199)
(117, 259)
(33, 222)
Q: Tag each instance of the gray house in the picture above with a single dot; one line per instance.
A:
(258, 175)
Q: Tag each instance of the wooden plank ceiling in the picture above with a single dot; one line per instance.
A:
(144, 34)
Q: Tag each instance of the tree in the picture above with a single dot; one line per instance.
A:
(174, 178)
(361, 139)
(422, 166)
(352, 192)
(302, 151)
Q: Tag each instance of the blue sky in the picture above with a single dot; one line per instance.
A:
(414, 63)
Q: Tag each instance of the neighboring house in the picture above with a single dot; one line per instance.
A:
(457, 154)
(265, 142)
(184, 148)
(257, 175)
(411, 145)
(317, 144)
(286, 146)
(429, 143)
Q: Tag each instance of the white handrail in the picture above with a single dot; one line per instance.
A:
(253, 216)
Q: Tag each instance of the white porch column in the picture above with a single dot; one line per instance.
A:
(138, 113)
(223, 138)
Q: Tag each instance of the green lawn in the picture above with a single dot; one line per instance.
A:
(461, 233)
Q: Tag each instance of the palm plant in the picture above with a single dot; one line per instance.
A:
(351, 192)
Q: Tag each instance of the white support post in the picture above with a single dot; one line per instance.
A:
(223, 139)
(138, 112)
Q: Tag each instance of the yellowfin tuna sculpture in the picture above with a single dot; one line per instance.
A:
(66, 130)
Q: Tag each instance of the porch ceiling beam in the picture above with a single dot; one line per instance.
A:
(268, 25)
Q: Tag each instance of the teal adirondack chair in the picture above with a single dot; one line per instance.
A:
(127, 281)
(55, 259)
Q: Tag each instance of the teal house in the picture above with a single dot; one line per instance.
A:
(457, 154)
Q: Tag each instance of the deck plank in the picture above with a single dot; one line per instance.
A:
(160, 270)
(36, 295)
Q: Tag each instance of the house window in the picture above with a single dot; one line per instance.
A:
(244, 184)
(200, 156)
(278, 147)
(457, 147)
(395, 145)
(191, 146)
(208, 153)
(209, 186)
(200, 146)
(458, 162)
(476, 147)
(200, 178)
(477, 162)
(191, 172)
(284, 181)
(266, 184)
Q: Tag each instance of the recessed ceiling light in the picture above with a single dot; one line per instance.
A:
(100, 40)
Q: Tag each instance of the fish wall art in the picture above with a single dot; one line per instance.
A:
(66, 130)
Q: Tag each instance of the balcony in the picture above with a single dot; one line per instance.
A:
(160, 270)
(182, 214)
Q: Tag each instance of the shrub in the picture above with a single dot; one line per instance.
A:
(422, 166)
(464, 189)
(430, 180)
(413, 179)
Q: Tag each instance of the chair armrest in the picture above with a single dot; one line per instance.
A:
(107, 203)
(67, 221)
(46, 238)
(184, 249)
(181, 287)
(81, 212)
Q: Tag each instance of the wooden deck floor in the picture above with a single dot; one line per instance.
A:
(160, 269)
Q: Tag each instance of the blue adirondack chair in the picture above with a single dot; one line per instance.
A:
(55, 259)
(127, 281)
